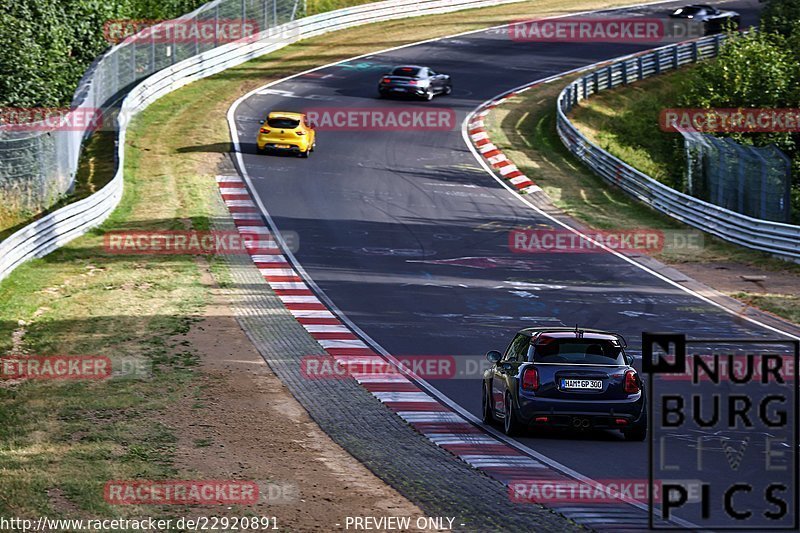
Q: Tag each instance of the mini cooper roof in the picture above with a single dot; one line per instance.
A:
(565, 332)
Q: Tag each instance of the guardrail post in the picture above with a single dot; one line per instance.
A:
(689, 169)
(216, 24)
(624, 66)
(720, 182)
(596, 81)
(608, 76)
(717, 44)
(740, 192)
(640, 63)
(695, 52)
(657, 55)
(152, 52)
(762, 204)
(675, 59)
(42, 177)
(115, 61)
(787, 195)
(585, 81)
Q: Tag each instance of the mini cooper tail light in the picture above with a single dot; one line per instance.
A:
(263, 130)
(632, 382)
(541, 419)
(413, 82)
(530, 379)
(620, 422)
(386, 80)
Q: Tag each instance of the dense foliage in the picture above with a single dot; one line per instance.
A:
(46, 45)
(781, 16)
(757, 70)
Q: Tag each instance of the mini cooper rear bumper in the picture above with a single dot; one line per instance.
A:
(616, 414)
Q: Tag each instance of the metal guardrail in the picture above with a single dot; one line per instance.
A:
(58, 228)
(772, 237)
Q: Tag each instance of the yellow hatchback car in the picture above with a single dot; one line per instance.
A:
(285, 131)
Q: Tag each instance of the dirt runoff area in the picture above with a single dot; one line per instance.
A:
(252, 428)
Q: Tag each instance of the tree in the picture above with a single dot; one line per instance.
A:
(780, 16)
(47, 45)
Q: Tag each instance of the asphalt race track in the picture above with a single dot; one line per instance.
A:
(408, 236)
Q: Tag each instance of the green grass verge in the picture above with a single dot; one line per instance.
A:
(60, 441)
(625, 122)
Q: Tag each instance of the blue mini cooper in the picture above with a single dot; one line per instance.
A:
(565, 377)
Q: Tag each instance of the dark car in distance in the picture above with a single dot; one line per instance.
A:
(416, 81)
(565, 377)
(713, 20)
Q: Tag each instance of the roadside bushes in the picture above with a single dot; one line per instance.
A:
(761, 69)
(780, 16)
(46, 45)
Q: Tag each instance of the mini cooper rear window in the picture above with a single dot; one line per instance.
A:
(283, 123)
(578, 351)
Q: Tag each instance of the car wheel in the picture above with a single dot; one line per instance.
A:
(429, 95)
(313, 147)
(486, 403)
(511, 425)
(305, 154)
(448, 89)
